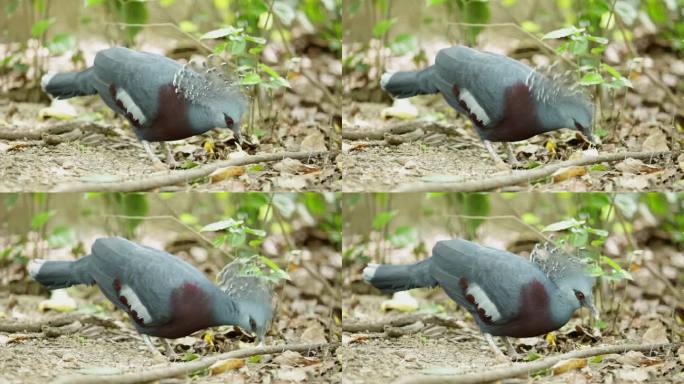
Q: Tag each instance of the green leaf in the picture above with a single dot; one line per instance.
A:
(403, 43)
(221, 225)
(274, 267)
(221, 32)
(40, 26)
(284, 11)
(251, 79)
(382, 26)
(562, 225)
(237, 239)
(612, 71)
(563, 32)
(382, 219)
(530, 26)
(591, 78)
(188, 26)
(40, 219)
(61, 43)
(188, 218)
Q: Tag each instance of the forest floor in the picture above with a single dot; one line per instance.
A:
(307, 313)
(437, 145)
(302, 119)
(640, 311)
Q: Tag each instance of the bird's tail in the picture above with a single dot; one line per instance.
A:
(393, 278)
(60, 274)
(410, 83)
(69, 84)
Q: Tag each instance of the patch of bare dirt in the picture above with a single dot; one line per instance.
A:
(447, 149)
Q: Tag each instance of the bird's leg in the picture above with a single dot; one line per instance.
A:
(499, 355)
(155, 352)
(511, 349)
(170, 354)
(170, 160)
(495, 156)
(150, 153)
(512, 160)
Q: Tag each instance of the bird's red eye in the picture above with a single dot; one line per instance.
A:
(579, 295)
(252, 324)
(579, 126)
(229, 121)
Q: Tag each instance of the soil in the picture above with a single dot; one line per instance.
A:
(455, 154)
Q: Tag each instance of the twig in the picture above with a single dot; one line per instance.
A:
(148, 375)
(401, 322)
(508, 371)
(177, 177)
(527, 176)
(52, 322)
(55, 129)
(398, 128)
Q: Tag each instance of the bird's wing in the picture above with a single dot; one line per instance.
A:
(137, 77)
(482, 77)
(494, 278)
(144, 276)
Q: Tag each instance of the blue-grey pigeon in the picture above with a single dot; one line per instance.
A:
(505, 99)
(506, 294)
(163, 295)
(161, 98)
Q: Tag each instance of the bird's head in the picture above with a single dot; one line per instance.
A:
(569, 273)
(251, 293)
(255, 317)
(215, 102)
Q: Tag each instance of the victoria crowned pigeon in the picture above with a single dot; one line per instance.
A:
(163, 295)
(161, 98)
(507, 295)
(505, 99)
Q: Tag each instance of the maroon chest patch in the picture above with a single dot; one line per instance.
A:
(191, 310)
(519, 121)
(171, 122)
(534, 317)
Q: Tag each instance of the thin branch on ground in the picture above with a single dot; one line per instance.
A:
(177, 177)
(173, 370)
(515, 370)
(528, 176)
(52, 322)
(10, 133)
(397, 128)
(401, 322)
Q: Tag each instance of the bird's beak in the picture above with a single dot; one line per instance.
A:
(594, 312)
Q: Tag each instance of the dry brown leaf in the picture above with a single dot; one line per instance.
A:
(636, 166)
(568, 172)
(314, 334)
(633, 182)
(291, 374)
(226, 365)
(294, 166)
(656, 141)
(226, 173)
(655, 334)
(628, 374)
(294, 359)
(568, 365)
(315, 141)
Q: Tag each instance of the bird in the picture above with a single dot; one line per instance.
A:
(163, 295)
(507, 295)
(162, 99)
(505, 99)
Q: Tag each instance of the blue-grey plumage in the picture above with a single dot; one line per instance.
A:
(163, 295)
(506, 294)
(162, 99)
(505, 99)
